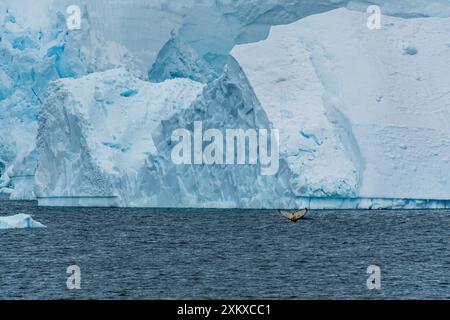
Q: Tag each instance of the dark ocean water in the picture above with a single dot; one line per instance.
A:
(224, 254)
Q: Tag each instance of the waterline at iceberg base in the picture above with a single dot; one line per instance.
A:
(310, 203)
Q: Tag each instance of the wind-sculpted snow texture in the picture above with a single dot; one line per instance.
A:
(362, 114)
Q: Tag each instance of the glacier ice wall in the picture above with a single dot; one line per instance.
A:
(383, 91)
(132, 166)
(30, 58)
(357, 129)
(211, 28)
(177, 59)
(228, 102)
(165, 39)
(96, 132)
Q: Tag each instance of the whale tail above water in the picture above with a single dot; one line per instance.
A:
(294, 216)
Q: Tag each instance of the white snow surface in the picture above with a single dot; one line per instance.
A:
(383, 93)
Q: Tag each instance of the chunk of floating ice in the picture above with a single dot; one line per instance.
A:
(19, 221)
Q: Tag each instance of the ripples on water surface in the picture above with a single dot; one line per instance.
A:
(224, 254)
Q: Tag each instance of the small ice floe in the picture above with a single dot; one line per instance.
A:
(19, 221)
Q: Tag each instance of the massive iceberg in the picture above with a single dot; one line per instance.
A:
(363, 114)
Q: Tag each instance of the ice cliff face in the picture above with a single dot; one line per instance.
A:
(228, 102)
(213, 28)
(354, 127)
(210, 28)
(177, 59)
(383, 92)
(132, 166)
(30, 59)
(97, 132)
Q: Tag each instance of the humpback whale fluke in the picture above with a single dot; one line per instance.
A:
(294, 216)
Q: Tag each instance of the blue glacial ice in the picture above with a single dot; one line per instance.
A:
(19, 221)
(32, 57)
(363, 121)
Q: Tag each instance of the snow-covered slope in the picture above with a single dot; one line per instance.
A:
(383, 91)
